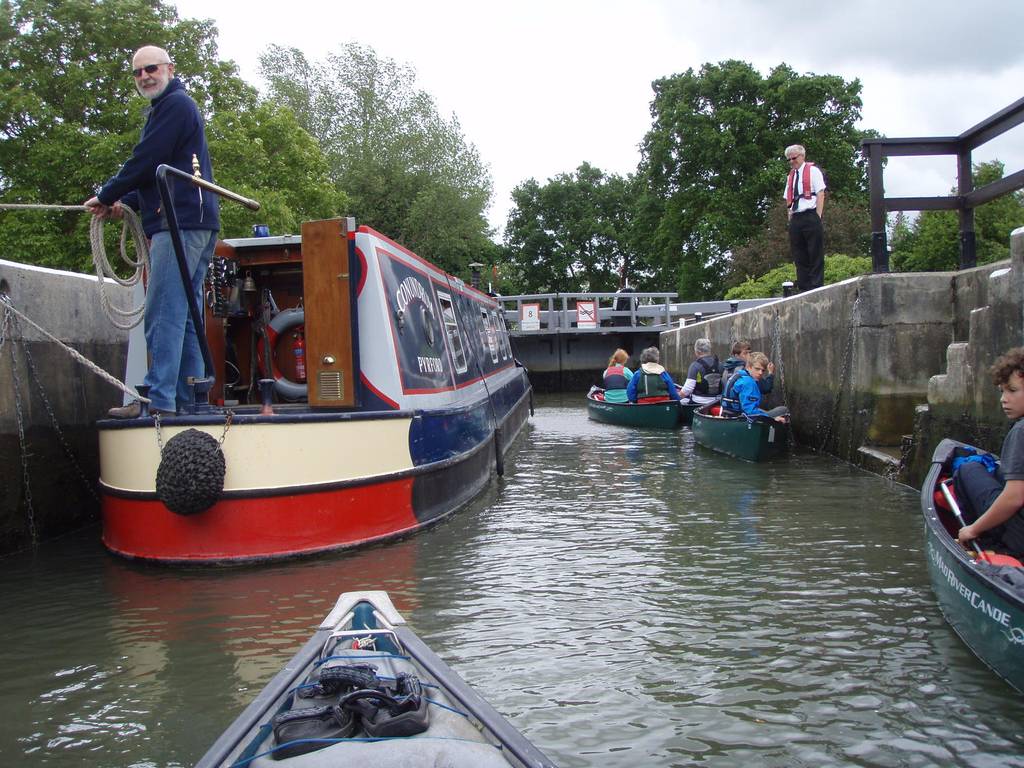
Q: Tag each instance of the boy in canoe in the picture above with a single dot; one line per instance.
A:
(738, 359)
(993, 502)
(743, 393)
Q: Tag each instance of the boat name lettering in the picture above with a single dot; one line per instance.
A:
(430, 364)
(410, 289)
(995, 613)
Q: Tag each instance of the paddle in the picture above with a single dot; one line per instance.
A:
(992, 558)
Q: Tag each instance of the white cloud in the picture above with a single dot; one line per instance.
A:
(541, 86)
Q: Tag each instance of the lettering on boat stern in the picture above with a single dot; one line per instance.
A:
(976, 601)
(430, 364)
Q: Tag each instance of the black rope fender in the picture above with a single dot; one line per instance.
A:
(190, 477)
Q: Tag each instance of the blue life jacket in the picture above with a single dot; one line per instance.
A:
(729, 400)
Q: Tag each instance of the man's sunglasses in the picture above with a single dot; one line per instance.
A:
(149, 69)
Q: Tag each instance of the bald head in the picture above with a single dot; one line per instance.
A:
(150, 54)
(153, 70)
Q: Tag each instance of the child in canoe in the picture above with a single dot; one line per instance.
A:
(616, 377)
(993, 503)
(738, 359)
(743, 393)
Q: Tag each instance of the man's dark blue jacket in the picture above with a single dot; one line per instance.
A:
(172, 134)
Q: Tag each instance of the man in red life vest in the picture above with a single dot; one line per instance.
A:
(805, 202)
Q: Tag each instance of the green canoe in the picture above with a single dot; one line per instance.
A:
(750, 439)
(666, 415)
(983, 602)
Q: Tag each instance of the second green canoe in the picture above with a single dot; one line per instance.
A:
(749, 439)
(665, 415)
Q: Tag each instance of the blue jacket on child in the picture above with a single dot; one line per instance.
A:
(745, 391)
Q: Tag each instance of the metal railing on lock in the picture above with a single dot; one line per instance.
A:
(596, 312)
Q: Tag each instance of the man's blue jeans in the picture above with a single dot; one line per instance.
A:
(174, 350)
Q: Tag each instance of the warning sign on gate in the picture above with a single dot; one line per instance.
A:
(586, 314)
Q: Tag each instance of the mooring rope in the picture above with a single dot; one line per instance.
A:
(125, 319)
(8, 307)
(132, 317)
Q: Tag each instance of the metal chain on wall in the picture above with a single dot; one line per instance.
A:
(6, 325)
(845, 378)
(11, 330)
(780, 366)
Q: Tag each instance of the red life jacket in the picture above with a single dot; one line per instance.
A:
(805, 183)
(615, 377)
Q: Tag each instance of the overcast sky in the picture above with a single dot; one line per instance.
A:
(540, 86)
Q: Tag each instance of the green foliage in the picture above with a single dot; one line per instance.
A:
(263, 153)
(838, 267)
(571, 234)
(407, 171)
(70, 115)
(713, 165)
(932, 243)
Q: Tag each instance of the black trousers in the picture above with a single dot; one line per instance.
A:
(976, 489)
(807, 248)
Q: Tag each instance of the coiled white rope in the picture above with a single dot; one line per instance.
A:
(125, 319)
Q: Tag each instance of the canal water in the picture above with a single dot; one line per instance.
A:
(624, 598)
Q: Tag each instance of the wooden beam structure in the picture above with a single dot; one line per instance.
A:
(966, 199)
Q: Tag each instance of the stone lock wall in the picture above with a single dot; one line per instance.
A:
(49, 485)
(855, 361)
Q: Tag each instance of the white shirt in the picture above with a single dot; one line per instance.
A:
(817, 187)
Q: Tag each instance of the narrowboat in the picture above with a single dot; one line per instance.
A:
(752, 439)
(355, 392)
(365, 690)
(981, 594)
(668, 414)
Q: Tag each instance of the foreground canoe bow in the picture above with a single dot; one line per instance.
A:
(662, 415)
(756, 439)
(366, 691)
(982, 601)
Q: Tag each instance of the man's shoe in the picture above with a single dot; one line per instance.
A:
(133, 410)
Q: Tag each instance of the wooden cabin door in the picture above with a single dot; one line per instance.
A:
(327, 300)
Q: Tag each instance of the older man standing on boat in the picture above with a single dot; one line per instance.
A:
(174, 134)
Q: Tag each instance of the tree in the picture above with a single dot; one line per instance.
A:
(712, 165)
(263, 153)
(70, 115)
(933, 241)
(571, 234)
(408, 171)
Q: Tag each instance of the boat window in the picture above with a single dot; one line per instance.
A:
(451, 329)
(491, 343)
(485, 326)
(502, 332)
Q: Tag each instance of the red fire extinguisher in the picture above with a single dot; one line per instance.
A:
(299, 350)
